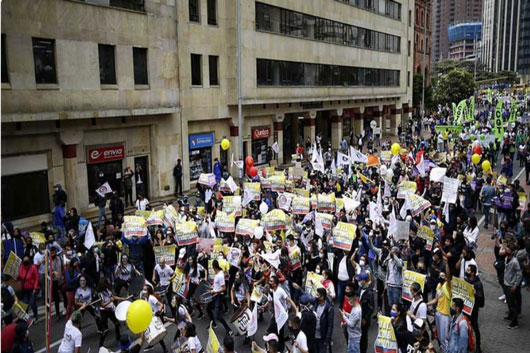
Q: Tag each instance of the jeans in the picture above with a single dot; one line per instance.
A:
(341, 285)
(486, 210)
(29, 297)
(354, 345)
(442, 324)
(513, 299)
(214, 311)
(393, 295)
(61, 233)
(101, 215)
(321, 346)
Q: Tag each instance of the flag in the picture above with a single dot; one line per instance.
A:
(356, 156)
(498, 123)
(407, 205)
(319, 228)
(392, 226)
(395, 160)
(471, 110)
(421, 167)
(379, 202)
(104, 189)
(275, 147)
(90, 239)
(317, 161)
(446, 212)
(342, 159)
(372, 161)
(273, 259)
(365, 179)
(231, 184)
(279, 313)
(252, 327)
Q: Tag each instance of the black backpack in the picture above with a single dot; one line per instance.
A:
(7, 299)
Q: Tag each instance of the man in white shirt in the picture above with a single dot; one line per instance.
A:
(300, 338)
(141, 203)
(38, 261)
(418, 308)
(72, 337)
(219, 290)
(285, 301)
(165, 275)
(467, 257)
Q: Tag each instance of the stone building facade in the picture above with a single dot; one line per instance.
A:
(422, 38)
(308, 67)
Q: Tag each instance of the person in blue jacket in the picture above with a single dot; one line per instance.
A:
(58, 221)
(136, 252)
(218, 170)
(15, 245)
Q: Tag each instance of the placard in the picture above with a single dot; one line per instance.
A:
(343, 235)
(464, 290)
(385, 341)
(450, 190)
(167, 252)
(410, 277)
(186, 233)
(312, 283)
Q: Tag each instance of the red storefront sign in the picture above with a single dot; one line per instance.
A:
(261, 133)
(105, 154)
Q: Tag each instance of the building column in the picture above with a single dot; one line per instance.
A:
(234, 150)
(70, 173)
(358, 121)
(336, 128)
(395, 120)
(309, 125)
(278, 137)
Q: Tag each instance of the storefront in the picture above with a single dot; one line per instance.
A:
(200, 146)
(105, 165)
(260, 144)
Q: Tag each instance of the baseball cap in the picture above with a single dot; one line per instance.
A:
(363, 276)
(304, 299)
(270, 337)
(124, 343)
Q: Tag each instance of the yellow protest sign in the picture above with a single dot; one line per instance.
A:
(246, 226)
(426, 233)
(225, 222)
(213, 343)
(385, 341)
(12, 265)
(180, 283)
(301, 192)
(502, 180)
(312, 283)
(522, 201)
(275, 220)
(406, 187)
(326, 203)
(278, 183)
(268, 246)
(326, 219)
(186, 233)
(167, 252)
(464, 290)
(254, 189)
(257, 294)
(419, 204)
(134, 226)
(37, 238)
(301, 205)
(142, 213)
(339, 205)
(343, 235)
(232, 204)
(410, 277)
(295, 258)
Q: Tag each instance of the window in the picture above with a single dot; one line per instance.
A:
(107, 64)
(212, 12)
(213, 62)
(408, 48)
(140, 66)
(410, 18)
(196, 69)
(195, 12)
(5, 76)
(44, 58)
(34, 200)
(408, 79)
(288, 73)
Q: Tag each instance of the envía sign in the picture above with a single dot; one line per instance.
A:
(105, 154)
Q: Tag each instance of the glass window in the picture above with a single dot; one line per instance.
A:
(263, 17)
(264, 72)
(44, 59)
(213, 66)
(25, 195)
(5, 75)
(212, 12)
(137, 5)
(107, 64)
(194, 9)
(196, 69)
(140, 66)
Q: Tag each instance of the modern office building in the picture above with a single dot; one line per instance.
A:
(464, 41)
(167, 86)
(446, 13)
(422, 38)
(523, 61)
(500, 37)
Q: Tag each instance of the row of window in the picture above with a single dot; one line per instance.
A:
(278, 20)
(196, 70)
(288, 73)
(388, 8)
(194, 7)
(46, 70)
(136, 5)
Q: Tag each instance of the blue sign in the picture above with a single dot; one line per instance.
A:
(201, 140)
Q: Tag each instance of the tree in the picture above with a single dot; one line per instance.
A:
(456, 85)
(417, 87)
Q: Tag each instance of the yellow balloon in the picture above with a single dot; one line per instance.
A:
(139, 316)
(475, 159)
(486, 166)
(396, 148)
(225, 144)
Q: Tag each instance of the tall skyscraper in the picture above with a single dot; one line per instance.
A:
(501, 33)
(523, 61)
(448, 12)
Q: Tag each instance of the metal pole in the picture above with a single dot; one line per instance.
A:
(239, 108)
(424, 63)
(476, 54)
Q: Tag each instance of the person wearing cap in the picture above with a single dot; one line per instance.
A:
(367, 300)
(458, 339)
(72, 337)
(309, 322)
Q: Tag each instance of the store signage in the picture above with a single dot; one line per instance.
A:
(105, 154)
(201, 140)
(261, 133)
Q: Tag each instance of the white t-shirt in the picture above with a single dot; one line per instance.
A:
(301, 339)
(153, 301)
(421, 313)
(219, 281)
(164, 274)
(343, 269)
(464, 264)
(141, 205)
(194, 343)
(38, 260)
(72, 338)
(280, 294)
(83, 295)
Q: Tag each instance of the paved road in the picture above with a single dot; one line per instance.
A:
(496, 336)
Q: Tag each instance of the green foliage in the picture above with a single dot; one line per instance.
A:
(442, 68)
(454, 86)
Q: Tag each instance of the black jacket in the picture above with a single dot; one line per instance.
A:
(326, 320)
(367, 304)
(308, 326)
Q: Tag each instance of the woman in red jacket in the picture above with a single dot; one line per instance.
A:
(28, 276)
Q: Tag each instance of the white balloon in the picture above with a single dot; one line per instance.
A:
(263, 208)
(390, 173)
(258, 232)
